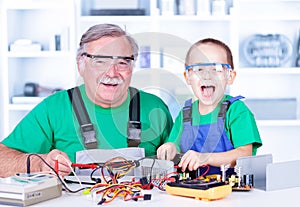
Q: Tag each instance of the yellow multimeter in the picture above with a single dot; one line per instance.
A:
(199, 189)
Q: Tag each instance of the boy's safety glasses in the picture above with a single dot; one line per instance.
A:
(221, 69)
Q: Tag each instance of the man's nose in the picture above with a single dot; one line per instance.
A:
(112, 69)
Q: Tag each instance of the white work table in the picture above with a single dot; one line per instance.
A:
(281, 198)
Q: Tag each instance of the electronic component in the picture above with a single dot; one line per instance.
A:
(34, 89)
(28, 189)
(241, 183)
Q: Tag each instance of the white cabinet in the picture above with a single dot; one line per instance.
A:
(267, 17)
(167, 38)
(163, 40)
(280, 135)
(29, 52)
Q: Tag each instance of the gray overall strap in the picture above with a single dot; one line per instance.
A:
(86, 127)
(225, 105)
(187, 111)
(134, 124)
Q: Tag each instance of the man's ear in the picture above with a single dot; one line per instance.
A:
(80, 65)
(231, 77)
(187, 78)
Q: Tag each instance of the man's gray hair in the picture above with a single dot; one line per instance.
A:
(105, 30)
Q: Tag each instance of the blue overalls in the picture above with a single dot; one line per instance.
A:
(206, 138)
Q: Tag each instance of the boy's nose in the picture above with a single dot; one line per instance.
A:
(207, 74)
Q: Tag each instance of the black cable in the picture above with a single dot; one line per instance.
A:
(61, 181)
(151, 168)
(96, 180)
(79, 182)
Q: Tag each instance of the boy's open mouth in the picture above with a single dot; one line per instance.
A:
(208, 90)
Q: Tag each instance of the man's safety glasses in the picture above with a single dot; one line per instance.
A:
(103, 62)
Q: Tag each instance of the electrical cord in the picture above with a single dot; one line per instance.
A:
(56, 173)
(116, 167)
(79, 182)
(96, 180)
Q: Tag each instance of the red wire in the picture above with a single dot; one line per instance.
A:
(207, 169)
(92, 166)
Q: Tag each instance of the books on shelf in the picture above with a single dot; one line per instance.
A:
(60, 41)
(116, 4)
(117, 12)
(25, 45)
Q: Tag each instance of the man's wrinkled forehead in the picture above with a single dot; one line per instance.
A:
(111, 46)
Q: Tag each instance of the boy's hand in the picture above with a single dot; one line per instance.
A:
(192, 160)
(166, 151)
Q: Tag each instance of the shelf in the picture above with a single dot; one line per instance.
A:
(268, 10)
(293, 70)
(21, 107)
(37, 4)
(116, 18)
(194, 18)
(247, 17)
(273, 17)
(45, 54)
(278, 123)
(155, 18)
(39, 21)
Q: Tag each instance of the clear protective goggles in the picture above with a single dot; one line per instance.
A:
(220, 69)
(101, 62)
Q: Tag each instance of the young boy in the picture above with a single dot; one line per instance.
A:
(215, 129)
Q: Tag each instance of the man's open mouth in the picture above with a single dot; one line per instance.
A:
(110, 84)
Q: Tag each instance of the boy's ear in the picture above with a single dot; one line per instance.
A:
(231, 77)
(187, 79)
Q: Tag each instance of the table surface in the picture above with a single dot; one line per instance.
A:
(255, 197)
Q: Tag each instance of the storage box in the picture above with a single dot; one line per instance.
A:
(17, 191)
(34, 47)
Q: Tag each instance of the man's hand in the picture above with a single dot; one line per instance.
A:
(63, 162)
(166, 151)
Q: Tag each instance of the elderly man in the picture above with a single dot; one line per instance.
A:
(97, 114)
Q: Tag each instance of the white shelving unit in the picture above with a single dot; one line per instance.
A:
(38, 21)
(271, 17)
(170, 36)
(167, 39)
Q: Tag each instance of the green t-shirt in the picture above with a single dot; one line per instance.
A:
(240, 124)
(53, 125)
